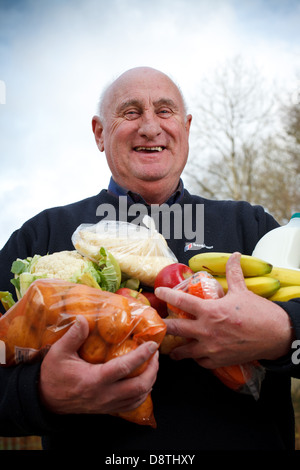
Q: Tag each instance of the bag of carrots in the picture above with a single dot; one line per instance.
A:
(116, 326)
(243, 378)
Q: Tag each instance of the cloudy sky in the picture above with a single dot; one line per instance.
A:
(57, 55)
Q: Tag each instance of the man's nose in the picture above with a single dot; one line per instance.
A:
(149, 126)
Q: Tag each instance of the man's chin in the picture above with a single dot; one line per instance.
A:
(152, 178)
(149, 173)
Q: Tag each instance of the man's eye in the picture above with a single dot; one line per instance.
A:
(131, 114)
(165, 112)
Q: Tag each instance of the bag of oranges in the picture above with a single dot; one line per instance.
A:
(116, 326)
(243, 378)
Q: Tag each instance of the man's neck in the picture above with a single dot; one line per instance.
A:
(156, 193)
(153, 194)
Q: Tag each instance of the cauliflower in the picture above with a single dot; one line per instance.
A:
(61, 265)
(68, 266)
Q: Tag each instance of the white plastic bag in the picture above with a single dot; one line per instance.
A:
(141, 251)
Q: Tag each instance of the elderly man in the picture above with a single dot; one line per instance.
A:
(143, 128)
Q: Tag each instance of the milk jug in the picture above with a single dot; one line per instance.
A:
(281, 246)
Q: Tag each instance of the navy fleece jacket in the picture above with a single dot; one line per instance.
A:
(193, 409)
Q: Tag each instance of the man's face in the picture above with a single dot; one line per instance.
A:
(145, 130)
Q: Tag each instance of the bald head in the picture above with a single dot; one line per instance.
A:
(143, 130)
(135, 76)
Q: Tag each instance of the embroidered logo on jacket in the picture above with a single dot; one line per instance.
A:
(196, 246)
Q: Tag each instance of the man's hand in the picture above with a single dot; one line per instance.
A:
(237, 328)
(68, 384)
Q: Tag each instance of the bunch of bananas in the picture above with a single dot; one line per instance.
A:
(274, 283)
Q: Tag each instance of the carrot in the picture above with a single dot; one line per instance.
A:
(232, 376)
(202, 284)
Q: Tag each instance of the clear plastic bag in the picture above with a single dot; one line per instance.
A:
(141, 251)
(49, 307)
(243, 378)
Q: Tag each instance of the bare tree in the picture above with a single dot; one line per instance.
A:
(279, 179)
(292, 120)
(286, 161)
(240, 147)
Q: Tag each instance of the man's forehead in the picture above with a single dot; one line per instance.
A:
(143, 94)
(143, 85)
(142, 101)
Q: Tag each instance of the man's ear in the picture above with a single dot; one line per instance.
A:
(188, 123)
(98, 132)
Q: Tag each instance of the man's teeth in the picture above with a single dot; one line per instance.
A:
(149, 149)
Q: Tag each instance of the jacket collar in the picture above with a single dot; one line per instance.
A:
(134, 198)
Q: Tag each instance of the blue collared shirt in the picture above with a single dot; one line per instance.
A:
(117, 190)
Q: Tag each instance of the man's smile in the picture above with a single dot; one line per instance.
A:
(149, 149)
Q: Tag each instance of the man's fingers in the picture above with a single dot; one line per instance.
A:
(191, 351)
(131, 404)
(180, 327)
(122, 366)
(182, 300)
(127, 394)
(71, 341)
(234, 273)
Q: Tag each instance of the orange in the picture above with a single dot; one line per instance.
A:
(149, 325)
(82, 300)
(94, 349)
(123, 348)
(52, 334)
(171, 342)
(114, 322)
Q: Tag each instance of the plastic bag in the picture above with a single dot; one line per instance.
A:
(244, 378)
(140, 251)
(116, 326)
